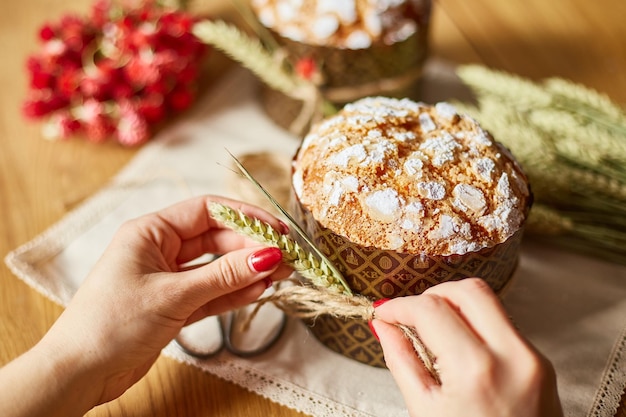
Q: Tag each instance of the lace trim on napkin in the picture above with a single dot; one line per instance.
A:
(610, 393)
(274, 389)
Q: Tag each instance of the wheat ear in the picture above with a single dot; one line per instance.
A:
(306, 264)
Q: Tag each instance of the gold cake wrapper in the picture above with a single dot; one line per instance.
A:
(379, 274)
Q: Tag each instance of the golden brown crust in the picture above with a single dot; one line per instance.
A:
(400, 175)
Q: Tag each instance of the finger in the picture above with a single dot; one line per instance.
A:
(192, 218)
(407, 369)
(201, 234)
(482, 310)
(216, 242)
(232, 272)
(231, 301)
(440, 327)
(283, 271)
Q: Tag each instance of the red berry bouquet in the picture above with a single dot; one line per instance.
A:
(114, 73)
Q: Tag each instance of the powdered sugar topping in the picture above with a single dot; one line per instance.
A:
(422, 178)
(413, 167)
(324, 26)
(342, 23)
(484, 167)
(432, 190)
(383, 205)
(426, 123)
(355, 152)
(469, 199)
(441, 148)
(446, 110)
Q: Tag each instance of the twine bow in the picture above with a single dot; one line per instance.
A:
(308, 302)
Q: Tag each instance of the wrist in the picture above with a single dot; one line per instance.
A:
(71, 383)
(45, 381)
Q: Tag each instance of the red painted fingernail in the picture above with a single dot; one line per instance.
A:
(369, 323)
(380, 302)
(284, 229)
(268, 282)
(266, 259)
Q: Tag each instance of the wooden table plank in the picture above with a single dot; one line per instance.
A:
(575, 39)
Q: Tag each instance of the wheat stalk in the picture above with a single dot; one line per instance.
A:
(588, 104)
(251, 54)
(306, 264)
(571, 141)
(546, 220)
(509, 88)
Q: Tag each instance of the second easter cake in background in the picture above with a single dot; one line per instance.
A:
(350, 24)
(349, 49)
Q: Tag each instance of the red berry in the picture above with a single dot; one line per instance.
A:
(141, 37)
(140, 73)
(40, 80)
(121, 90)
(67, 82)
(91, 87)
(147, 60)
(46, 33)
(180, 99)
(132, 129)
(34, 109)
(90, 110)
(168, 61)
(306, 68)
(70, 126)
(57, 102)
(61, 125)
(54, 48)
(162, 87)
(43, 104)
(127, 22)
(98, 129)
(98, 81)
(188, 75)
(152, 108)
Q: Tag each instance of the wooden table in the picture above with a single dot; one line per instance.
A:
(41, 181)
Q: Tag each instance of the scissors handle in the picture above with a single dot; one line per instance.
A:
(198, 352)
(228, 342)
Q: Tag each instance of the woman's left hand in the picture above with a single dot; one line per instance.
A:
(137, 298)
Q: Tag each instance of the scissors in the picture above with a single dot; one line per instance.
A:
(229, 335)
(229, 328)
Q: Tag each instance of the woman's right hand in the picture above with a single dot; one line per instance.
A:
(486, 368)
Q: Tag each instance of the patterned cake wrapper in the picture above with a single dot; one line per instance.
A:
(351, 74)
(379, 273)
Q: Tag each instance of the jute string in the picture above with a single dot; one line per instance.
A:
(308, 302)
